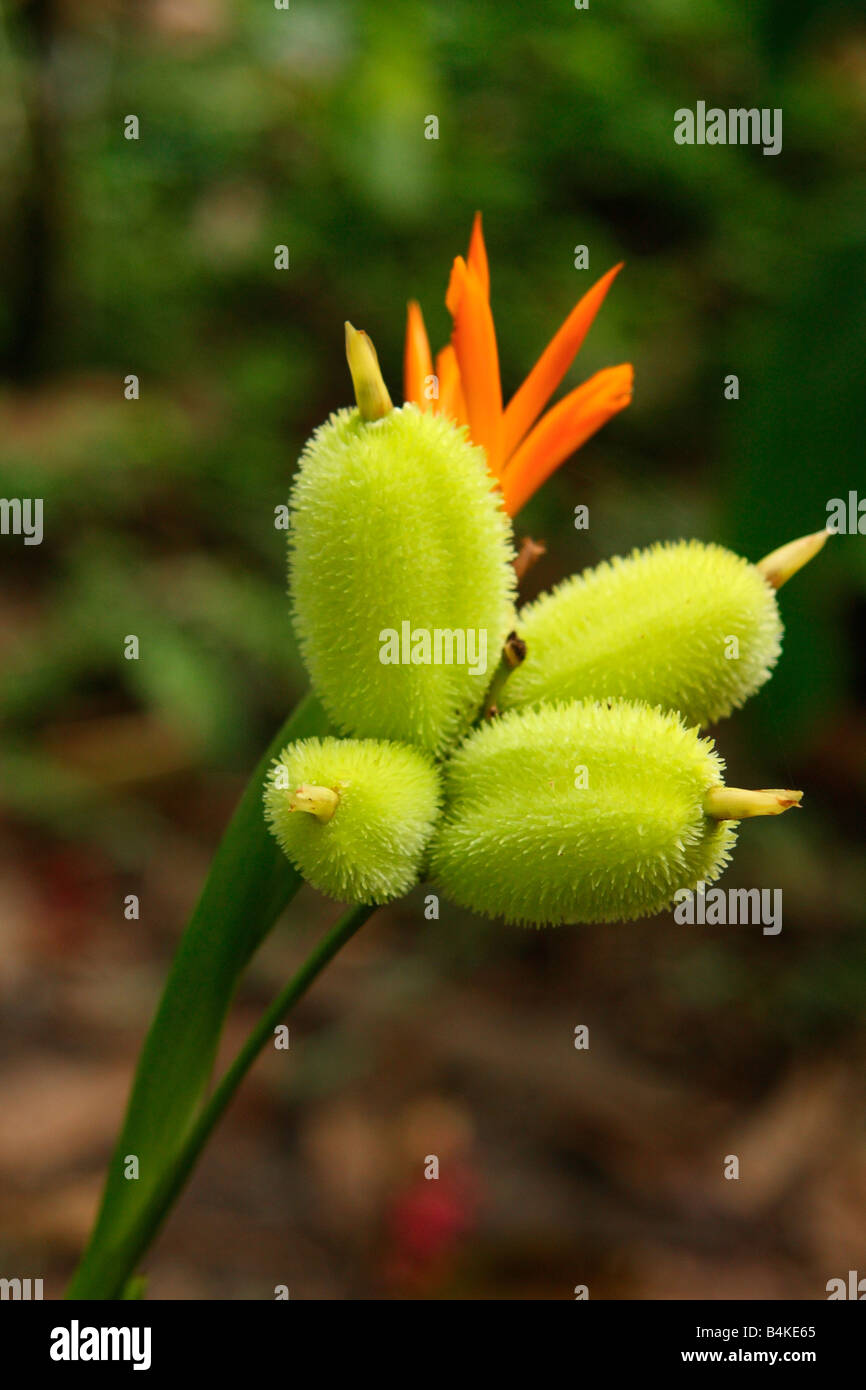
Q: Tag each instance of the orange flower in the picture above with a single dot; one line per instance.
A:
(522, 450)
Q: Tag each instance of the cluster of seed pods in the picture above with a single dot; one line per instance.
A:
(585, 791)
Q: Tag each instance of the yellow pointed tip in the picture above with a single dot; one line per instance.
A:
(735, 803)
(320, 802)
(780, 565)
(371, 393)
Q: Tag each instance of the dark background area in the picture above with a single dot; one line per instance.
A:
(453, 1037)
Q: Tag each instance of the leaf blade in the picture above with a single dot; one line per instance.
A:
(249, 884)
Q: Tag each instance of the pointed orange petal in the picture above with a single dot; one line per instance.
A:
(563, 430)
(528, 402)
(417, 359)
(451, 402)
(477, 257)
(456, 284)
(474, 342)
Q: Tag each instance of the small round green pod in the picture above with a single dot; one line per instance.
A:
(400, 574)
(586, 812)
(354, 816)
(683, 625)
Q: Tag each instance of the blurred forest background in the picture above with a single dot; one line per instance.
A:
(305, 127)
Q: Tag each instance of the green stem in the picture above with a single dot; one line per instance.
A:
(332, 942)
(175, 1179)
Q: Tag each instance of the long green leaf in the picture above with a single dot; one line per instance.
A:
(249, 884)
(150, 1218)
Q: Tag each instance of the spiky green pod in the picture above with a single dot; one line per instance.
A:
(396, 530)
(687, 626)
(355, 817)
(582, 812)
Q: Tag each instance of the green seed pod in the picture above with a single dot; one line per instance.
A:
(354, 817)
(686, 626)
(586, 812)
(400, 573)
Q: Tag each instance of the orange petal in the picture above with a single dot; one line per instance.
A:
(528, 402)
(417, 359)
(451, 402)
(474, 342)
(477, 257)
(562, 430)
